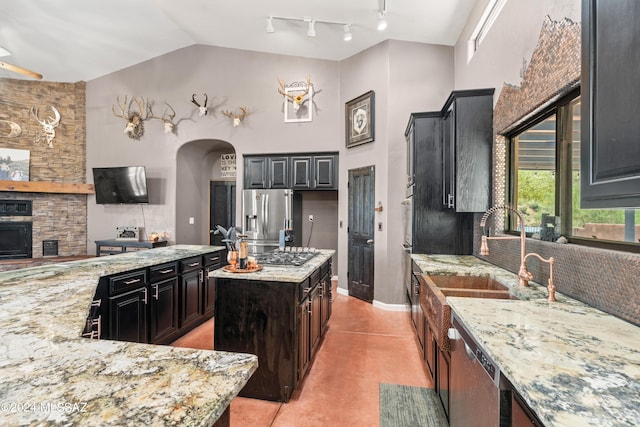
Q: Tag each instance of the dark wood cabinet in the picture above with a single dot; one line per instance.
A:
(326, 300)
(304, 171)
(280, 322)
(610, 152)
(255, 172)
(467, 135)
(163, 311)
(442, 375)
(211, 262)
(128, 316)
(191, 298)
(417, 317)
(430, 351)
(439, 141)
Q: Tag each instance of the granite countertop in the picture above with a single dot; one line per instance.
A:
(50, 374)
(573, 364)
(279, 273)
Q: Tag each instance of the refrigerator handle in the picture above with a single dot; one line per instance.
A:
(265, 214)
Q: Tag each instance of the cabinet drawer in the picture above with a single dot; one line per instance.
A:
(163, 271)
(127, 281)
(111, 248)
(135, 248)
(192, 263)
(213, 259)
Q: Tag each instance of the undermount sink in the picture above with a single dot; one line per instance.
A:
(435, 289)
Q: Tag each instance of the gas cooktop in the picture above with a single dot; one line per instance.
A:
(291, 255)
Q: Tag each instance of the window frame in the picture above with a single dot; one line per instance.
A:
(563, 190)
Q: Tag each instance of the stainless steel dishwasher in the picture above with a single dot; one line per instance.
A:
(474, 392)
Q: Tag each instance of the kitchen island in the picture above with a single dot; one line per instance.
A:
(570, 363)
(280, 314)
(52, 375)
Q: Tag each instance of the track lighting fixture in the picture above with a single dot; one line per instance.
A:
(382, 20)
(311, 32)
(311, 25)
(347, 32)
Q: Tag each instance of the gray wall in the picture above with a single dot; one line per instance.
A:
(406, 77)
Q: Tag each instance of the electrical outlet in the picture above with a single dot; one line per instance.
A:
(192, 220)
(310, 218)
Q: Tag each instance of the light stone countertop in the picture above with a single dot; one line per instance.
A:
(280, 273)
(51, 375)
(574, 365)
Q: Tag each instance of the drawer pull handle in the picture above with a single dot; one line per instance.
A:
(131, 282)
(157, 295)
(170, 270)
(194, 264)
(214, 259)
(145, 300)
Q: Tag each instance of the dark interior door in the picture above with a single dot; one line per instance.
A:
(360, 232)
(222, 208)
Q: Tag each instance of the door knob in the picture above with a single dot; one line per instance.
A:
(370, 241)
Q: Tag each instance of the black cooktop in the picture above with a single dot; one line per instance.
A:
(291, 255)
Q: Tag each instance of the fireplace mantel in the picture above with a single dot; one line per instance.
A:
(46, 187)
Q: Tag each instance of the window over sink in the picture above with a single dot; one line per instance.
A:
(544, 183)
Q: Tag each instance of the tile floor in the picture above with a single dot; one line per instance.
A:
(363, 347)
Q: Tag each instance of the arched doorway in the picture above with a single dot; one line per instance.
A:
(199, 164)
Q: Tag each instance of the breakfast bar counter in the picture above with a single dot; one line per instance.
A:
(51, 375)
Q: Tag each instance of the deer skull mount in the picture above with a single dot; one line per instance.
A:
(298, 98)
(237, 118)
(48, 126)
(135, 118)
(202, 109)
(167, 118)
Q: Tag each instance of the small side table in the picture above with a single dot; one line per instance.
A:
(113, 246)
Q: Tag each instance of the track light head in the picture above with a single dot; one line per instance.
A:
(311, 32)
(347, 32)
(382, 22)
(270, 28)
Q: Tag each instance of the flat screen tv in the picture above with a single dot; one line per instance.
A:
(120, 185)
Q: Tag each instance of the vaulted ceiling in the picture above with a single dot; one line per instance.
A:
(73, 40)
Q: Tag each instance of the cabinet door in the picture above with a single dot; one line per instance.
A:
(128, 316)
(443, 379)
(209, 294)
(278, 172)
(324, 172)
(325, 305)
(301, 172)
(255, 172)
(448, 158)
(430, 351)
(190, 298)
(610, 152)
(304, 354)
(316, 321)
(163, 311)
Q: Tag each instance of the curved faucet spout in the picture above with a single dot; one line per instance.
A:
(484, 247)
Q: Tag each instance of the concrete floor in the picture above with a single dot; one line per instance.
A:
(363, 347)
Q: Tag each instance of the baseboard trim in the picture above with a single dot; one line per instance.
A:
(378, 304)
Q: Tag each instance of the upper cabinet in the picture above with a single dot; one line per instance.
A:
(467, 134)
(610, 90)
(266, 172)
(297, 171)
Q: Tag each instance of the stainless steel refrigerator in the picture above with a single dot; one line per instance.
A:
(265, 213)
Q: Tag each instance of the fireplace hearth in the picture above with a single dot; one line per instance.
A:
(15, 240)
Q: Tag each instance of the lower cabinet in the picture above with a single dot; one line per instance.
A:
(128, 316)
(430, 350)
(156, 304)
(163, 309)
(443, 376)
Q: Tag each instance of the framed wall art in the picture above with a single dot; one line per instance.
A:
(14, 164)
(298, 102)
(359, 119)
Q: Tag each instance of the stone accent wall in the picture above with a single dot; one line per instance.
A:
(604, 279)
(61, 217)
